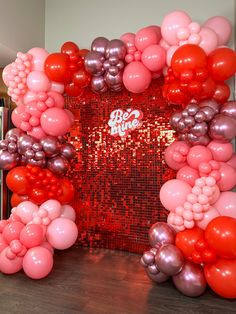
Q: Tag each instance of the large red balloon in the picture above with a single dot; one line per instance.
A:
(188, 57)
(68, 192)
(57, 67)
(186, 240)
(221, 93)
(70, 48)
(17, 180)
(222, 64)
(221, 277)
(220, 234)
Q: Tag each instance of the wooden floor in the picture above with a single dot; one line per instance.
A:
(100, 281)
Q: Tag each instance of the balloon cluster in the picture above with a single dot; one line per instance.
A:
(199, 123)
(28, 238)
(145, 58)
(67, 67)
(165, 259)
(105, 63)
(195, 76)
(38, 185)
(20, 148)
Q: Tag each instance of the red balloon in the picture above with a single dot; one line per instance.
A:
(188, 57)
(81, 78)
(38, 196)
(175, 95)
(57, 67)
(83, 53)
(220, 235)
(16, 199)
(68, 192)
(222, 93)
(222, 64)
(194, 88)
(208, 88)
(70, 48)
(186, 240)
(221, 277)
(73, 90)
(17, 180)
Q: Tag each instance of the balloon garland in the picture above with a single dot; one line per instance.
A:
(197, 245)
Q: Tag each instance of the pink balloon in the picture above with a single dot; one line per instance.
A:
(154, 58)
(55, 122)
(198, 154)
(208, 217)
(37, 132)
(25, 211)
(136, 77)
(31, 235)
(173, 193)
(33, 110)
(47, 246)
(68, 212)
(226, 204)
(164, 44)
(29, 97)
(10, 266)
(228, 177)
(146, 37)
(37, 262)
(38, 81)
(175, 154)
(39, 57)
(3, 224)
(12, 231)
(128, 39)
(156, 29)
(221, 26)
(5, 74)
(170, 53)
(70, 116)
(57, 87)
(232, 161)
(209, 40)
(221, 151)
(16, 115)
(62, 233)
(53, 207)
(58, 99)
(3, 243)
(188, 175)
(171, 24)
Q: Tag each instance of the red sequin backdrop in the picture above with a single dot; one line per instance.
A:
(118, 180)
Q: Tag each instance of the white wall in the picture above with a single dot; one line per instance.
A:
(83, 20)
(22, 26)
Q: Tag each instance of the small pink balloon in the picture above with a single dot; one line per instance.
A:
(228, 177)
(154, 58)
(177, 146)
(198, 154)
(58, 99)
(209, 40)
(164, 44)
(226, 204)
(188, 175)
(37, 262)
(9, 266)
(16, 115)
(12, 231)
(62, 233)
(25, 211)
(232, 161)
(37, 132)
(173, 193)
(47, 246)
(39, 57)
(208, 216)
(38, 81)
(57, 87)
(146, 37)
(31, 235)
(221, 26)
(55, 121)
(3, 243)
(53, 207)
(128, 39)
(68, 212)
(221, 151)
(5, 74)
(29, 97)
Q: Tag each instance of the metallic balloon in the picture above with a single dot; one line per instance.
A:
(98, 84)
(40, 163)
(99, 44)
(200, 129)
(169, 259)
(189, 121)
(37, 147)
(58, 165)
(94, 63)
(223, 128)
(191, 280)
(106, 65)
(39, 155)
(7, 160)
(209, 113)
(148, 258)
(192, 109)
(25, 142)
(158, 278)
(12, 138)
(4, 144)
(12, 147)
(112, 80)
(113, 60)
(175, 119)
(195, 140)
(229, 109)
(113, 70)
(161, 233)
(200, 116)
(143, 263)
(116, 48)
(68, 151)
(120, 65)
(210, 103)
(51, 146)
(17, 132)
(29, 154)
(153, 269)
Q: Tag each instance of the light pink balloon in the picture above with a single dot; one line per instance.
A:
(5, 74)
(228, 177)
(12, 231)
(62, 233)
(128, 39)
(58, 99)
(170, 53)
(55, 122)
(57, 87)
(221, 151)
(188, 175)
(38, 81)
(209, 40)
(39, 57)
(136, 77)
(53, 207)
(198, 154)
(29, 97)
(68, 212)
(154, 58)
(47, 246)
(226, 204)
(16, 115)
(222, 26)
(173, 193)
(10, 266)
(182, 149)
(37, 132)
(164, 44)
(146, 37)
(37, 262)
(31, 235)
(3, 243)
(25, 211)
(232, 161)
(172, 23)
(208, 217)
